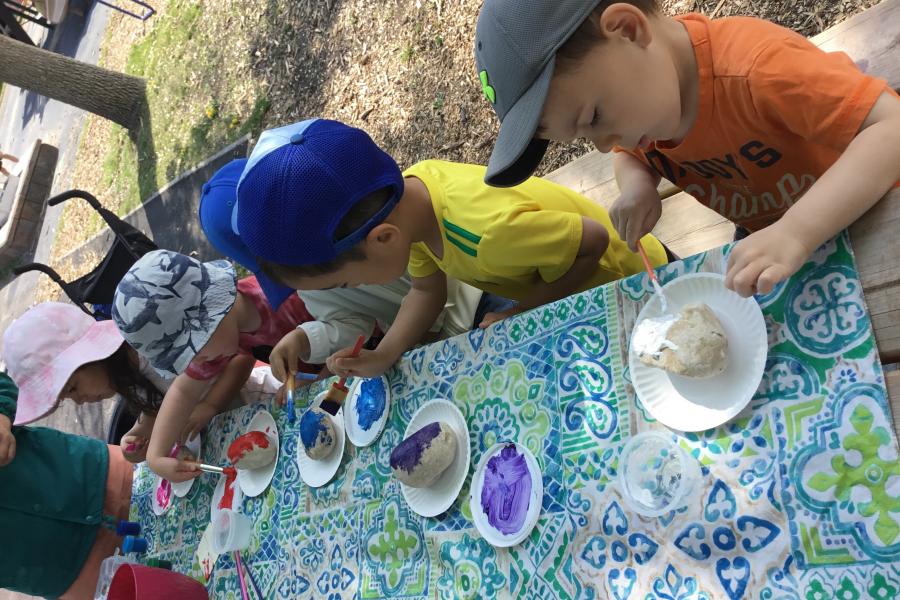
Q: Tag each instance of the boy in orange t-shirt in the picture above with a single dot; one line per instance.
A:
(790, 142)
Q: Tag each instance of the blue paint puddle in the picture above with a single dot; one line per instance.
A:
(370, 402)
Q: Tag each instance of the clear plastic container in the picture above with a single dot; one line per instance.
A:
(107, 570)
(656, 475)
(231, 531)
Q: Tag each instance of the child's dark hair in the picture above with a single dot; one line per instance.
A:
(355, 218)
(588, 34)
(138, 393)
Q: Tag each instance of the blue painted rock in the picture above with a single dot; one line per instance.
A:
(420, 459)
(317, 433)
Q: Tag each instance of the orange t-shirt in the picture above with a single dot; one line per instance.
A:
(775, 113)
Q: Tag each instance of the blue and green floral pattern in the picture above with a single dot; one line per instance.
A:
(800, 496)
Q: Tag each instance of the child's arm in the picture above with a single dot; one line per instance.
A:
(638, 207)
(9, 393)
(421, 306)
(223, 391)
(176, 407)
(855, 182)
(7, 441)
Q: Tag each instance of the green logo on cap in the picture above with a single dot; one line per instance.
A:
(486, 88)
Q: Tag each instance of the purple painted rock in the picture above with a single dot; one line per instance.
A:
(420, 459)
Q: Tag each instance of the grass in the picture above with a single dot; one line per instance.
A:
(193, 107)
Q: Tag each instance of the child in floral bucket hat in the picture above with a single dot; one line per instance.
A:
(194, 321)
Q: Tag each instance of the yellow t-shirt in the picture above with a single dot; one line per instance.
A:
(504, 240)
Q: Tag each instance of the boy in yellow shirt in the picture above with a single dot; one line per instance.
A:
(322, 206)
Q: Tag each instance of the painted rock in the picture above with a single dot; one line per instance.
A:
(691, 344)
(253, 450)
(317, 433)
(420, 459)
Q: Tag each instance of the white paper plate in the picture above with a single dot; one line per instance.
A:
(493, 535)
(158, 509)
(316, 473)
(253, 482)
(181, 489)
(236, 501)
(358, 436)
(689, 404)
(441, 494)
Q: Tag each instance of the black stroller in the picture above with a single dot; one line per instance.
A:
(93, 293)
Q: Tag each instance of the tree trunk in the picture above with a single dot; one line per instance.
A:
(114, 96)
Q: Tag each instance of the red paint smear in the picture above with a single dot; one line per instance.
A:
(228, 495)
(246, 443)
(207, 569)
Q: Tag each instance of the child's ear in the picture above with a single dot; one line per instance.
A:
(627, 22)
(383, 234)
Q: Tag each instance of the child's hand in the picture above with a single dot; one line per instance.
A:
(369, 363)
(134, 443)
(492, 317)
(200, 418)
(281, 394)
(635, 212)
(134, 448)
(173, 469)
(763, 259)
(286, 352)
(7, 441)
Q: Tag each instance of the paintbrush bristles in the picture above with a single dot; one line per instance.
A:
(333, 400)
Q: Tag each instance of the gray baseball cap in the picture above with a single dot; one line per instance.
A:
(515, 47)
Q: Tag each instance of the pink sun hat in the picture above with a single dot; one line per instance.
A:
(44, 346)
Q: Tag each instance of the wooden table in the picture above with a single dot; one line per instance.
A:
(688, 227)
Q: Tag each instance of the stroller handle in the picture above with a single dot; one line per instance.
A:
(39, 267)
(86, 196)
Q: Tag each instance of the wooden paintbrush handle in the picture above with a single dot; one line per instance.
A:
(356, 349)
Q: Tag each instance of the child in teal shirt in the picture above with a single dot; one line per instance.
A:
(56, 492)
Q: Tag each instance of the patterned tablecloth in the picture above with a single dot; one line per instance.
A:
(801, 495)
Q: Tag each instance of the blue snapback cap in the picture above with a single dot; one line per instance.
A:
(301, 180)
(217, 203)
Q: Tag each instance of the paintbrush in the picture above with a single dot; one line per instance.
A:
(240, 571)
(337, 393)
(651, 273)
(290, 399)
(249, 574)
(211, 468)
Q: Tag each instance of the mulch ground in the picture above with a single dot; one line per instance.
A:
(401, 69)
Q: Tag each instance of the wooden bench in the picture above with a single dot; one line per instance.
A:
(687, 227)
(25, 199)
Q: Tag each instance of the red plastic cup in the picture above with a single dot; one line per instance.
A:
(138, 582)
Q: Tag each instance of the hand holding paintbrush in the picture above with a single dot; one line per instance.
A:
(337, 393)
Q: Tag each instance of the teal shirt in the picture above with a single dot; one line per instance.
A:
(51, 504)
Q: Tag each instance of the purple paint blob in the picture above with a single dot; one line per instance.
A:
(506, 492)
(370, 402)
(408, 453)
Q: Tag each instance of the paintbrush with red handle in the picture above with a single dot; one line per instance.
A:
(337, 393)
